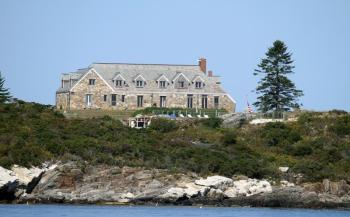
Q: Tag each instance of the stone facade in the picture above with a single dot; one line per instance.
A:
(135, 86)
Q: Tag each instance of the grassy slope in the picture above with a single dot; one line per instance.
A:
(317, 145)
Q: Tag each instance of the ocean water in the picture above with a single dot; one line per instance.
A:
(162, 211)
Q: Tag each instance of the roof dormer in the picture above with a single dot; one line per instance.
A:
(181, 81)
(119, 80)
(139, 80)
(162, 81)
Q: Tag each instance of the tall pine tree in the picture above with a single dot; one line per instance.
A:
(4, 92)
(276, 92)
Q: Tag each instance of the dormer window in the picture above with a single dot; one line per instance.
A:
(140, 83)
(181, 81)
(118, 83)
(199, 84)
(162, 84)
(162, 81)
(91, 81)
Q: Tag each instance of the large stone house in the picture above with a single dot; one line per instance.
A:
(121, 86)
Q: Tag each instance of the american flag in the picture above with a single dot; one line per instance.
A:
(249, 108)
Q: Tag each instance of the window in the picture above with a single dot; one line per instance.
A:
(139, 101)
(139, 83)
(190, 101)
(118, 83)
(114, 99)
(181, 84)
(162, 102)
(91, 81)
(204, 101)
(162, 84)
(216, 102)
(123, 98)
(104, 98)
(88, 100)
(198, 84)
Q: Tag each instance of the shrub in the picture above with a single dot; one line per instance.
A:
(302, 150)
(212, 122)
(163, 125)
(229, 137)
(276, 134)
(342, 126)
(338, 112)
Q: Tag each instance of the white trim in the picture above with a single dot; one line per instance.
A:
(230, 97)
(182, 75)
(164, 77)
(103, 79)
(91, 70)
(141, 77)
(119, 75)
(197, 76)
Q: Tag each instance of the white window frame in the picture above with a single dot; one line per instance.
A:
(140, 83)
(162, 101)
(88, 100)
(113, 102)
(199, 85)
(161, 84)
(216, 104)
(92, 81)
(139, 102)
(118, 83)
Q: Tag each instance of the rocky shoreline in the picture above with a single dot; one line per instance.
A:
(83, 184)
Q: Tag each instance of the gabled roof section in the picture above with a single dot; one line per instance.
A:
(139, 76)
(118, 75)
(162, 76)
(86, 73)
(72, 76)
(197, 77)
(178, 76)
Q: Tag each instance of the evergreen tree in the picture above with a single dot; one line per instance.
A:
(4, 92)
(276, 92)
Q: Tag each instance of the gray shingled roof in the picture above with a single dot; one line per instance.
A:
(129, 71)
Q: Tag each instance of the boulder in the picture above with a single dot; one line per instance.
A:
(173, 193)
(18, 180)
(218, 182)
(283, 169)
(248, 187)
(285, 183)
(215, 194)
(192, 190)
(232, 120)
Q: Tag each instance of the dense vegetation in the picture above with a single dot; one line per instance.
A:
(317, 145)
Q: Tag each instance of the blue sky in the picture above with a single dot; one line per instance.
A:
(41, 39)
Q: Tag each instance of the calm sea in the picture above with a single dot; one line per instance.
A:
(144, 211)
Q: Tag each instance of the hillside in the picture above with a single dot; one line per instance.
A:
(317, 145)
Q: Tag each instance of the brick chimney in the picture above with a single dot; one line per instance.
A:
(202, 62)
(210, 73)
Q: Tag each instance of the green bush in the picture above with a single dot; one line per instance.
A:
(212, 122)
(302, 150)
(342, 126)
(163, 125)
(279, 134)
(338, 112)
(229, 137)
